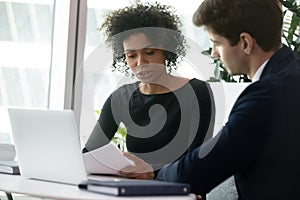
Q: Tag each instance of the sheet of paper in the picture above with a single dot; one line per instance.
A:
(105, 160)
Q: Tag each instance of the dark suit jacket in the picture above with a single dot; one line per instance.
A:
(260, 143)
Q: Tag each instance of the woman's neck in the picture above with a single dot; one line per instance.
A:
(168, 84)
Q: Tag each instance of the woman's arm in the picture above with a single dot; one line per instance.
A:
(104, 130)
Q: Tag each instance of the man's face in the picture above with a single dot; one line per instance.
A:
(232, 57)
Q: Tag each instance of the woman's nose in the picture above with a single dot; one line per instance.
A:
(141, 60)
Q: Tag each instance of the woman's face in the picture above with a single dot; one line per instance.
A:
(146, 60)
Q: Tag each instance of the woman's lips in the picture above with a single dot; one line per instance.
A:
(144, 74)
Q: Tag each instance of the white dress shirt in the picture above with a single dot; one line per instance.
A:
(259, 71)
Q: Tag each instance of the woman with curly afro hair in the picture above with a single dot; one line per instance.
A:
(165, 115)
(123, 22)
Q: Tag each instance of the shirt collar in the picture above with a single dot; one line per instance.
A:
(258, 73)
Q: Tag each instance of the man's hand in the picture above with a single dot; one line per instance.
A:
(141, 169)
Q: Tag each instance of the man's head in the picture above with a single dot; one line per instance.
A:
(262, 19)
(244, 33)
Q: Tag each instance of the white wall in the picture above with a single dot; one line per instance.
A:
(225, 94)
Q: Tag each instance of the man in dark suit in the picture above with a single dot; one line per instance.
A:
(260, 143)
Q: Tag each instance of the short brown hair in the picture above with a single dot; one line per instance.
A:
(262, 19)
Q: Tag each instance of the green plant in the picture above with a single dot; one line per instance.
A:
(120, 137)
(291, 22)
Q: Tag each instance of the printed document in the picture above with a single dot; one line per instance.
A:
(105, 160)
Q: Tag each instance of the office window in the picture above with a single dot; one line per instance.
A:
(27, 31)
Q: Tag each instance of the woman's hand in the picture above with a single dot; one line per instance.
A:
(140, 170)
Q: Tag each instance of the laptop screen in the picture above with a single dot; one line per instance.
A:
(48, 145)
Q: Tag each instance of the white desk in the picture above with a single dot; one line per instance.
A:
(43, 189)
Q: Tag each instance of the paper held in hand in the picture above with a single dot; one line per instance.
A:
(105, 160)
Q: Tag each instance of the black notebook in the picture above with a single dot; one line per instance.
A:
(135, 187)
(9, 167)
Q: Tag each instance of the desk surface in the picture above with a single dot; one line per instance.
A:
(44, 189)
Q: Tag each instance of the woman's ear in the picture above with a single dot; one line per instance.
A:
(247, 42)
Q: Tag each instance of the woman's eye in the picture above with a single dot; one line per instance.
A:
(130, 55)
(150, 52)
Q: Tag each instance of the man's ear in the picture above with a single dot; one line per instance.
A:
(247, 42)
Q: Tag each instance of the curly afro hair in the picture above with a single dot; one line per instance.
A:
(158, 22)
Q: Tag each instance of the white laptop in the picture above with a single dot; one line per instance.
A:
(48, 145)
